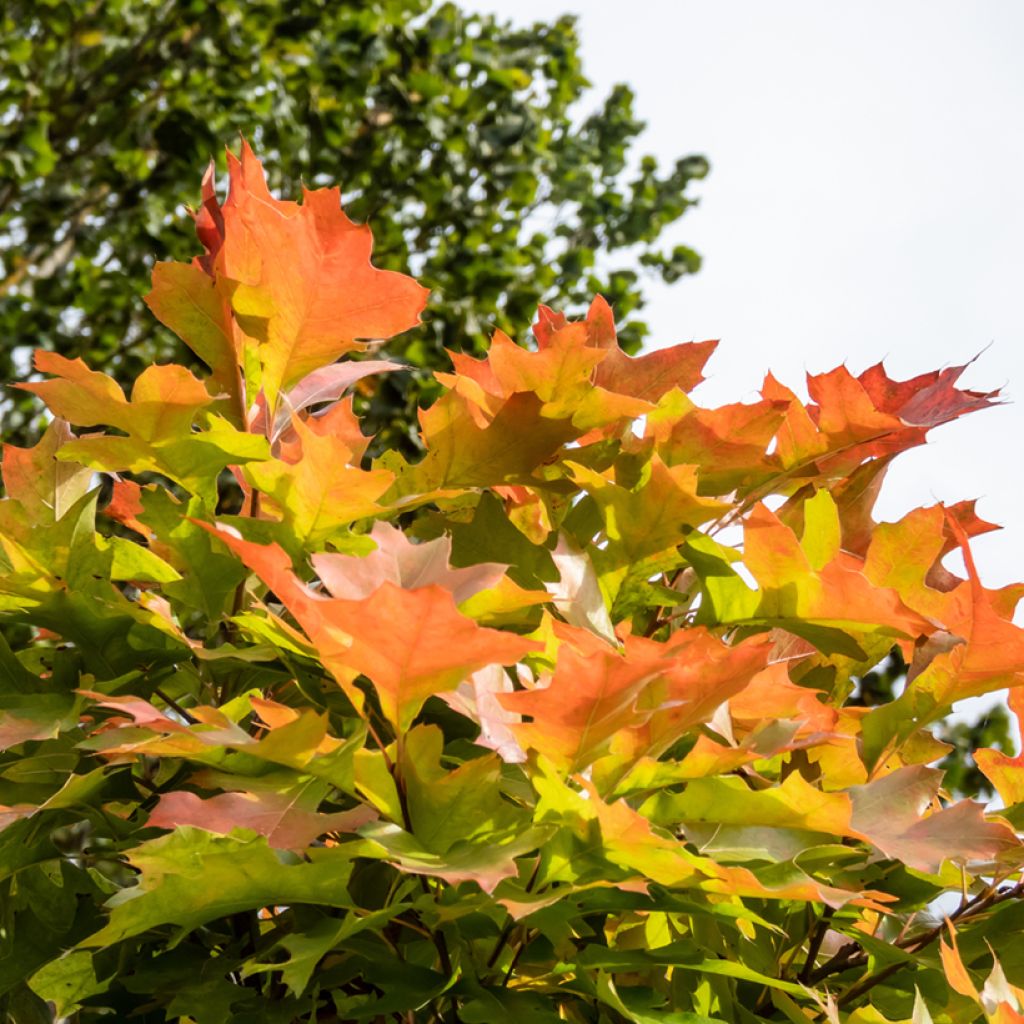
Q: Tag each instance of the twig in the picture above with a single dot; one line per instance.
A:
(506, 932)
(817, 936)
(844, 960)
(175, 706)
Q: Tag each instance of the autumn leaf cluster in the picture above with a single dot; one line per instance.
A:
(553, 723)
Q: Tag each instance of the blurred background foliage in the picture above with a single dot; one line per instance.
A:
(455, 135)
(991, 727)
(473, 147)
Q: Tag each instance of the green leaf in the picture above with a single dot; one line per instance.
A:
(67, 980)
(190, 877)
(464, 805)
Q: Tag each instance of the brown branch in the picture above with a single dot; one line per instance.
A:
(851, 957)
(817, 936)
(175, 706)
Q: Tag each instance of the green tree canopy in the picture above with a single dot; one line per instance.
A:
(456, 133)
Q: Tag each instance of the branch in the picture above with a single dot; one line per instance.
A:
(851, 957)
(817, 936)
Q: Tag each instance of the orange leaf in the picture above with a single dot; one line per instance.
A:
(1004, 772)
(839, 592)
(588, 700)
(646, 377)
(45, 486)
(927, 400)
(410, 643)
(953, 966)
(729, 444)
(164, 402)
(306, 290)
(189, 302)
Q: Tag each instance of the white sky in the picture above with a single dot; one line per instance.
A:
(864, 202)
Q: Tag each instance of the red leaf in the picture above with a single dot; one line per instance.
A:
(927, 400)
(277, 816)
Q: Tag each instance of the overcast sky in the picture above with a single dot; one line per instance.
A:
(864, 202)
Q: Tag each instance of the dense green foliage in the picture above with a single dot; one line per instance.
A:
(563, 720)
(455, 131)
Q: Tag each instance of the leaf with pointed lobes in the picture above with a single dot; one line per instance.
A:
(477, 699)
(411, 644)
(560, 375)
(42, 484)
(279, 816)
(125, 507)
(466, 449)
(697, 674)
(728, 445)
(772, 695)
(327, 384)
(1006, 773)
(338, 421)
(928, 696)
(304, 289)
(706, 757)
(907, 556)
(889, 812)
(193, 460)
(577, 712)
(847, 414)
(398, 560)
(995, 645)
(197, 309)
(646, 377)
(787, 881)
(650, 517)
(795, 804)
(611, 831)
(870, 416)
(487, 864)
(1002, 1002)
(629, 841)
(449, 808)
(158, 419)
(927, 400)
(795, 594)
(953, 966)
(165, 400)
(320, 492)
(191, 876)
(838, 433)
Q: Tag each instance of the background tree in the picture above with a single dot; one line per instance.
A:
(455, 131)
